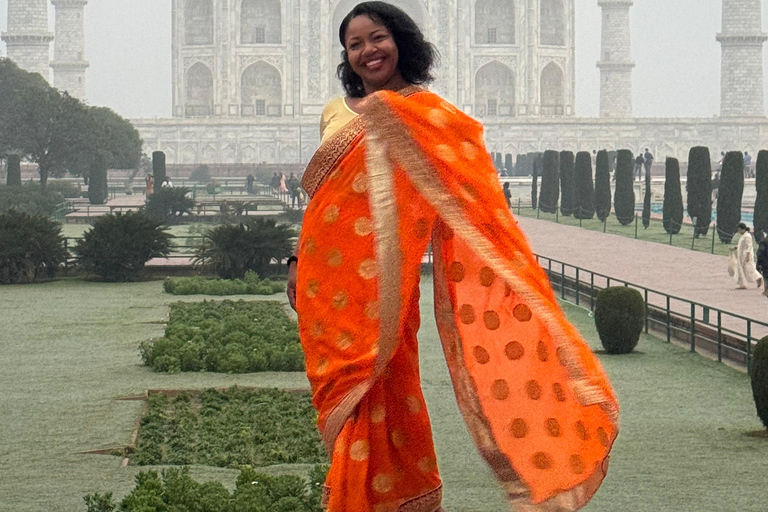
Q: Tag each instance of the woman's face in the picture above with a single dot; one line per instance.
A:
(373, 54)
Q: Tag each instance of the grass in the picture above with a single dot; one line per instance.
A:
(69, 348)
(654, 233)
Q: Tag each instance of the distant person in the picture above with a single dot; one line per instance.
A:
(249, 184)
(762, 260)
(149, 185)
(648, 157)
(715, 186)
(275, 182)
(722, 159)
(639, 166)
(282, 188)
(745, 271)
(167, 183)
(748, 165)
(508, 195)
(294, 187)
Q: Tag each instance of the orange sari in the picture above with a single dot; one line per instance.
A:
(412, 169)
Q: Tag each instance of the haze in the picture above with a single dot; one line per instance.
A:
(677, 71)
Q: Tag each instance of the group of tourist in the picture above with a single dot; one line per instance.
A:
(290, 186)
(149, 184)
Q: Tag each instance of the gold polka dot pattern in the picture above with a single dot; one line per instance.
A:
(360, 184)
(363, 226)
(335, 257)
(500, 389)
(382, 483)
(331, 214)
(345, 340)
(313, 288)
(519, 428)
(456, 272)
(340, 300)
(542, 460)
(481, 355)
(491, 320)
(467, 314)
(514, 351)
(359, 451)
(367, 269)
(487, 277)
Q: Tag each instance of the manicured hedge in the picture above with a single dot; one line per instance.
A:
(759, 379)
(566, 182)
(619, 318)
(699, 187)
(624, 199)
(583, 188)
(198, 285)
(602, 186)
(158, 168)
(231, 428)
(673, 197)
(729, 196)
(31, 248)
(226, 336)
(13, 171)
(550, 182)
(761, 185)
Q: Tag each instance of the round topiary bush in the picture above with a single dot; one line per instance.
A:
(619, 318)
(759, 377)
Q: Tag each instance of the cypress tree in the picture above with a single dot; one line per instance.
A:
(699, 187)
(673, 197)
(497, 161)
(550, 182)
(535, 185)
(158, 167)
(624, 200)
(583, 189)
(647, 201)
(97, 182)
(729, 196)
(761, 185)
(13, 168)
(566, 183)
(508, 163)
(602, 186)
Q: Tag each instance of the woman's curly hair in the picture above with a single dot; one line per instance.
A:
(416, 54)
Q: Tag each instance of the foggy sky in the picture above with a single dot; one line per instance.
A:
(677, 71)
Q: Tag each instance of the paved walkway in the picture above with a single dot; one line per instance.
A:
(691, 275)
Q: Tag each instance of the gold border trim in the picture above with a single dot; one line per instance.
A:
(329, 154)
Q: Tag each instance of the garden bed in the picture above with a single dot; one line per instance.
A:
(227, 336)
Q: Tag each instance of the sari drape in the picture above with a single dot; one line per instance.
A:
(410, 170)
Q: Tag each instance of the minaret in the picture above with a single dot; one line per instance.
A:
(27, 38)
(741, 65)
(615, 59)
(69, 63)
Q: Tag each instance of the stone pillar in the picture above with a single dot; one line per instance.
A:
(69, 63)
(615, 59)
(27, 37)
(741, 65)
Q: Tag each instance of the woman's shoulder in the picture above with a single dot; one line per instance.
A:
(334, 105)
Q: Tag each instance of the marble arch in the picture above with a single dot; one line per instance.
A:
(495, 90)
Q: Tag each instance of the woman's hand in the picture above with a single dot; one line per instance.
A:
(291, 286)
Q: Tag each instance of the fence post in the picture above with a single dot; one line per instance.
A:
(518, 205)
(719, 337)
(670, 239)
(605, 224)
(713, 238)
(592, 291)
(577, 286)
(749, 345)
(562, 280)
(669, 337)
(645, 293)
(635, 225)
(693, 327)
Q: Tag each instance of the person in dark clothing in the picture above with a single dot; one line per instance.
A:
(648, 160)
(294, 187)
(508, 195)
(639, 166)
(275, 183)
(762, 260)
(249, 184)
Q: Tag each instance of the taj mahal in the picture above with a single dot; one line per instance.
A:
(251, 77)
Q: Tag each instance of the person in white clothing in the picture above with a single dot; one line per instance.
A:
(745, 271)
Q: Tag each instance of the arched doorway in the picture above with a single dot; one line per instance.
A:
(199, 97)
(552, 93)
(494, 90)
(495, 22)
(198, 22)
(261, 90)
(260, 22)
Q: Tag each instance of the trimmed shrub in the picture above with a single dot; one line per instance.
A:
(497, 161)
(98, 191)
(201, 174)
(535, 186)
(647, 201)
(231, 250)
(198, 285)
(566, 183)
(118, 245)
(30, 198)
(31, 248)
(583, 188)
(508, 163)
(550, 182)
(167, 204)
(699, 188)
(619, 318)
(761, 185)
(13, 169)
(729, 196)
(673, 197)
(624, 200)
(602, 186)
(158, 168)
(758, 376)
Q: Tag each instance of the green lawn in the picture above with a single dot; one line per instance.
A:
(654, 233)
(68, 350)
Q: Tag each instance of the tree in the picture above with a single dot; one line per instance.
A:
(583, 188)
(729, 196)
(98, 191)
(624, 199)
(550, 182)
(13, 170)
(761, 185)
(31, 247)
(699, 188)
(673, 197)
(508, 163)
(201, 174)
(602, 186)
(168, 204)
(158, 167)
(566, 183)
(535, 185)
(647, 200)
(497, 162)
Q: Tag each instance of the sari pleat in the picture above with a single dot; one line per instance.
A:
(534, 397)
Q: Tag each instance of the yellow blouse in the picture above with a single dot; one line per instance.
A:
(335, 115)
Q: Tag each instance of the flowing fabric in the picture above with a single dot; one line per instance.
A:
(413, 170)
(746, 273)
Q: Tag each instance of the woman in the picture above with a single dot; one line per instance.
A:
(746, 272)
(398, 168)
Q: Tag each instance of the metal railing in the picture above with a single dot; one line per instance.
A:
(706, 329)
